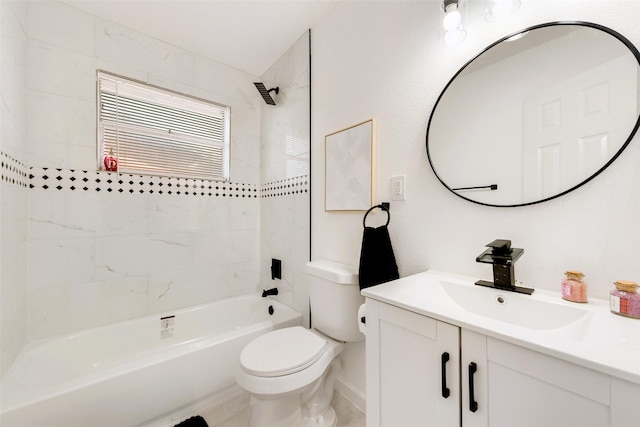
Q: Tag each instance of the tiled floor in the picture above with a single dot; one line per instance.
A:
(233, 412)
(348, 414)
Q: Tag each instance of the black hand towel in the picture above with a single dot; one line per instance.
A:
(377, 262)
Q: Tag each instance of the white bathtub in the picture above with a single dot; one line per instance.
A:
(125, 374)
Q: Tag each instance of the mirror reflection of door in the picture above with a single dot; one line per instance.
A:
(569, 126)
(538, 116)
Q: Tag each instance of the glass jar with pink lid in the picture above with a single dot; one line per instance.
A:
(573, 288)
(624, 300)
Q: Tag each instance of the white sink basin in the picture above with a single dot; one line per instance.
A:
(529, 311)
(518, 309)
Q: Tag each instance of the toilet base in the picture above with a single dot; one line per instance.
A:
(310, 407)
(327, 419)
(286, 413)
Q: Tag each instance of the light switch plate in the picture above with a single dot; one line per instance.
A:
(398, 187)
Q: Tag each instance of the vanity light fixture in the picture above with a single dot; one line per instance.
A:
(497, 10)
(452, 22)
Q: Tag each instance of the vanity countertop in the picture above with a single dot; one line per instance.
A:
(585, 334)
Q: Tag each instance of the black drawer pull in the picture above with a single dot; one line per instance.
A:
(473, 405)
(443, 362)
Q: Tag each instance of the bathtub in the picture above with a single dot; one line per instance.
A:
(128, 373)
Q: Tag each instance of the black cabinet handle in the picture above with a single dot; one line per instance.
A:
(473, 405)
(443, 363)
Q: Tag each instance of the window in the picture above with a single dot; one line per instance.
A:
(154, 131)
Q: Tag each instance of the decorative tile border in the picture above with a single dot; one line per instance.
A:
(286, 187)
(110, 182)
(56, 179)
(13, 171)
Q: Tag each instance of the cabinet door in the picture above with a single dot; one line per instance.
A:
(529, 389)
(624, 403)
(473, 370)
(412, 369)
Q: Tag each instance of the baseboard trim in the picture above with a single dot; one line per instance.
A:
(351, 393)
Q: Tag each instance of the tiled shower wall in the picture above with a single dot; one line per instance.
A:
(284, 171)
(103, 247)
(97, 256)
(13, 186)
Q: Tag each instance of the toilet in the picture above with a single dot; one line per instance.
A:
(289, 373)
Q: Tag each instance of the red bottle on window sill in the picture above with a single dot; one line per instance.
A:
(110, 162)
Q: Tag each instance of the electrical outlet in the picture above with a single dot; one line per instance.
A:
(398, 187)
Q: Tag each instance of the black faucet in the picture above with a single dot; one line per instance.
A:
(503, 257)
(267, 292)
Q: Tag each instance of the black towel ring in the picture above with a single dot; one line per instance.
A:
(381, 206)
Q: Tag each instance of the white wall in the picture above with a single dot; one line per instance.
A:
(96, 257)
(383, 60)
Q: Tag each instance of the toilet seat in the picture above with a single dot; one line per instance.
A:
(271, 387)
(282, 352)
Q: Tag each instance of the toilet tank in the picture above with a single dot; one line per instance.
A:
(334, 294)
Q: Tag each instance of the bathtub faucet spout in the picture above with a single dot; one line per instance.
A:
(267, 292)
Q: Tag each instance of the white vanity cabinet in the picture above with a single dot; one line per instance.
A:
(413, 370)
(412, 367)
(624, 403)
(412, 359)
(530, 389)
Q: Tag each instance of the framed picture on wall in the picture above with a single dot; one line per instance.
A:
(349, 156)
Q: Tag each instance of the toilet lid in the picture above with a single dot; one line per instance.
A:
(282, 352)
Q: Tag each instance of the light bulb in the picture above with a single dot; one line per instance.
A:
(452, 20)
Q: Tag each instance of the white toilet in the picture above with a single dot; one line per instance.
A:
(290, 372)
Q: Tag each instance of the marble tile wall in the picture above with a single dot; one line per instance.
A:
(102, 251)
(103, 247)
(14, 181)
(284, 171)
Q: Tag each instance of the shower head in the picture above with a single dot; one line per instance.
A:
(265, 93)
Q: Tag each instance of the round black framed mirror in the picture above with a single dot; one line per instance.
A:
(536, 114)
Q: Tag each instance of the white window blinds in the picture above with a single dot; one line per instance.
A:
(158, 132)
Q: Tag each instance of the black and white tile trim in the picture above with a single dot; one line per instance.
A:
(56, 179)
(286, 187)
(111, 182)
(13, 171)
